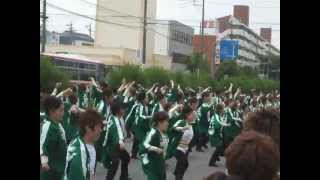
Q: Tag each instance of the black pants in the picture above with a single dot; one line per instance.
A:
(124, 156)
(182, 164)
(135, 147)
(203, 139)
(215, 155)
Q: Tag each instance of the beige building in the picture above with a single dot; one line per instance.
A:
(110, 56)
(128, 32)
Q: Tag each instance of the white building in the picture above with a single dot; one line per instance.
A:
(120, 25)
(251, 45)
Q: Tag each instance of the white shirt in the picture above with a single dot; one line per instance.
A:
(185, 140)
(92, 154)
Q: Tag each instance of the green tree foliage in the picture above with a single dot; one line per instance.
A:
(197, 61)
(50, 75)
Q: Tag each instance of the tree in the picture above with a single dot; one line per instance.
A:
(229, 68)
(50, 75)
(197, 61)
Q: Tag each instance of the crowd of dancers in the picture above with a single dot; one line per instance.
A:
(93, 123)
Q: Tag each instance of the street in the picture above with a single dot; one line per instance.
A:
(198, 167)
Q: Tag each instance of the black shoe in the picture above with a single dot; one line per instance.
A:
(212, 164)
(205, 146)
(127, 178)
(199, 150)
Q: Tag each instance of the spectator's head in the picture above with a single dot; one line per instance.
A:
(264, 121)
(107, 95)
(90, 125)
(188, 114)
(253, 156)
(53, 108)
(161, 120)
(205, 97)
(216, 176)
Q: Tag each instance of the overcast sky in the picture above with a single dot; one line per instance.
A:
(263, 13)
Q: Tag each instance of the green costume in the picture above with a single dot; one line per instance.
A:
(96, 96)
(217, 122)
(114, 136)
(142, 122)
(204, 114)
(175, 137)
(78, 159)
(153, 164)
(83, 100)
(53, 149)
(235, 124)
(131, 116)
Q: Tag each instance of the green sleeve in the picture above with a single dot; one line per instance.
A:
(75, 171)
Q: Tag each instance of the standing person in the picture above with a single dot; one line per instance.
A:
(141, 122)
(234, 121)
(193, 103)
(104, 110)
(53, 145)
(153, 149)
(180, 137)
(73, 122)
(114, 144)
(159, 106)
(217, 123)
(81, 154)
(204, 113)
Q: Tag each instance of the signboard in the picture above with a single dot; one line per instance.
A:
(228, 49)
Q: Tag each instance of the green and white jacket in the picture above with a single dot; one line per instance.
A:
(53, 146)
(77, 161)
(204, 114)
(217, 122)
(233, 118)
(115, 135)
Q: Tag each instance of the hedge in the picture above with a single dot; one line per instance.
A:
(152, 75)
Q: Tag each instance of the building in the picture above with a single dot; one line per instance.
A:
(120, 25)
(73, 38)
(252, 46)
(209, 47)
(52, 37)
(174, 39)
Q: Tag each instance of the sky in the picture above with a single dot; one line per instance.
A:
(262, 13)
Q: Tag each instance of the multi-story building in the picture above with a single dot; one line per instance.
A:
(120, 25)
(174, 39)
(73, 38)
(252, 46)
(209, 47)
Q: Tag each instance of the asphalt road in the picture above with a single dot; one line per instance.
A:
(198, 167)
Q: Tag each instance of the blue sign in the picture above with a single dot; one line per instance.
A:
(228, 49)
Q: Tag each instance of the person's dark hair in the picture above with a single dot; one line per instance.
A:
(51, 103)
(205, 94)
(219, 107)
(116, 106)
(103, 85)
(82, 87)
(107, 92)
(266, 122)
(159, 117)
(73, 99)
(141, 96)
(167, 107)
(160, 96)
(216, 176)
(90, 118)
(253, 156)
(186, 111)
(193, 100)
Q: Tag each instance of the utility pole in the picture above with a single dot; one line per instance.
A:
(44, 33)
(89, 26)
(71, 31)
(202, 32)
(144, 32)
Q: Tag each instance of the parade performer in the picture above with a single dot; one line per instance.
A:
(114, 144)
(53, 145)
(80, 161)
(153, 149)
(217, 123)
(180, 136)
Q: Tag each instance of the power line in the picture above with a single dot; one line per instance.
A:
(88, 17)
